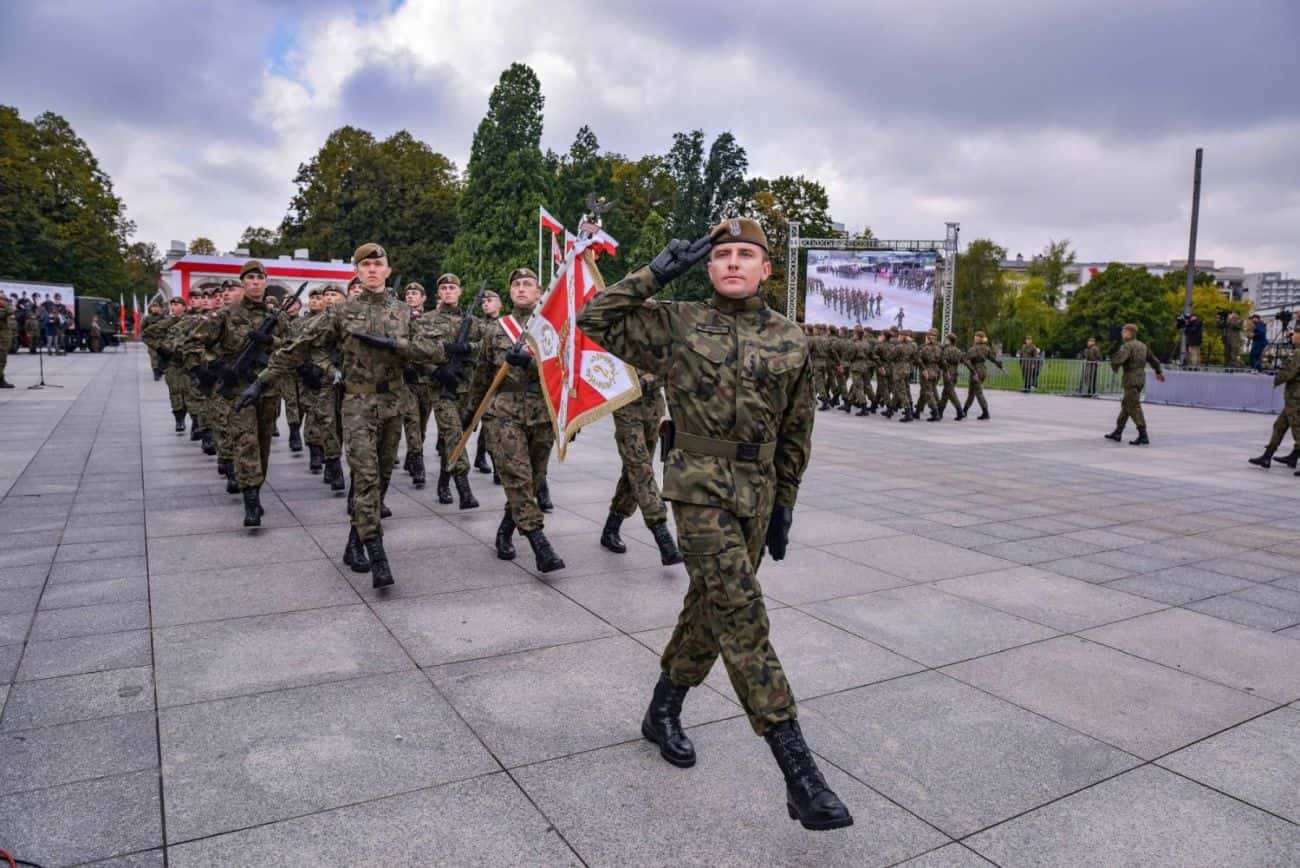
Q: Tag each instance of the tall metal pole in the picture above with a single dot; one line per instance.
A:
(1191, 248)
(792, 272)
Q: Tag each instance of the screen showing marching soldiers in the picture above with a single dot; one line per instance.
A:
(877, 288)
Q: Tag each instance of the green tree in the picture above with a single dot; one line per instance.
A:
(505, 185)
(653, 237)
(980, 289)
(1053, 266)
(261, 242)
(774, 204)
(1207, 302)
(1113, 297)
(707, 189)
(143, 265)
(203, 246)
(1026, 313)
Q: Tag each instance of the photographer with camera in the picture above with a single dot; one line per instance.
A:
(1258, 341)
(1191, 327)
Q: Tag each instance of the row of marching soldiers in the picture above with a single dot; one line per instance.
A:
(845, 362)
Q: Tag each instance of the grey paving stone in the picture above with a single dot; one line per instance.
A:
(239, 549)
(1270, 595)
(1138, 706)
(90, 620)
(952, 856)
(28, 576)
(1155, 586)
(80, 654)
(87, 820)
(1087, 568)
(14, 627)
(483, 623)
(113, 548)
(77, 697)
(817, 527)
(542, 704)
(97, 570)
(1047, 598)
(69, 595)
(1239, 611)
(810, 574)
(1203, 580)
(241, 762)
(19, 600)
(955, 756)
(23, 555)
(1243, 569)
(728, 810)
(1023, 551)
(1145, 817)
(1010, 530)
(1258, 762)
(55, 755)
(146, 859)
(9, 656)
(421, 573)
(927, 625)
(631, 601)
(483, 822)
(820, 658)
(1237, 656)
(163, 523)
(917, 559)
(99, 530)
(261, 589)
(30, 538)
(218, 659)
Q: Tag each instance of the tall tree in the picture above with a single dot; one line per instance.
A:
(505, 185)
(653, 237)
(203, 246)
(143, 267)
(1025, 313)
(707, 189)
(1053, 265)
(1113, 297)
(774, 204)
(261, 242)
(980, 289)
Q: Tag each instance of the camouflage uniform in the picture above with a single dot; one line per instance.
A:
(976, 357)
(841, 350)
(156, 338)
(1232, 341)
(901, 362)
(818, 353)
(738, 384)
(1030, 358)
(372, 385)
(293, 405)
(930, 360)
(449, 402)
(321, 421)
(636, 433)
(1289, 418)
(6, 335)
(860, 363)
(225, 334)
(950, 359)
(155, 364)
(1133, 357)
(1091, 364)
(418, 401)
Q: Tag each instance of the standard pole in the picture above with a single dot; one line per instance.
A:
(1191, 247)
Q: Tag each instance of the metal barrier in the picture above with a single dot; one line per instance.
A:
(1053, 377)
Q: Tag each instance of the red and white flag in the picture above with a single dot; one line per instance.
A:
(581, 381)
(135, 315)
(557, 255)
(121, 314)
(549, 222)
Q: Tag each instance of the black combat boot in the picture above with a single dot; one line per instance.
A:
(221, 466)
(847, 407)
(807, 798)
(334, 474)
(887, 413)
(544, 497)
(668, 552)
(209, 443)
(157, 374)
(1141, 438)
(180, 421)
(907, 416)
(609, 537)
(354, 553)
(1265, 460)
(252, 507)
(662, 723)
(444, 485)
(480, 456)
(505, 534)
(863, 410)
(232, 482)
(295, 436)
(983, 416)
(1117, 435)
(315, 457)
(961, 414)
(1290, 460)
(406, 464)
(381, 575)
(467, 499)
(824, 405)
(416, 462)
(547, 560)
(196, 430)
(496, 477)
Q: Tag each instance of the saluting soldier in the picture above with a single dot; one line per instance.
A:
(520, 431)
(376, 338)
(739, 390)
(1132, 358)
(930, 360)
(636, 433)
(1289, 376)
(976, 357)
(450, 390)
(950, 362)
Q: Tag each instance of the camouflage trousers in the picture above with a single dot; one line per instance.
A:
(4, 354)
(975, 392)
(415, 414)
(838, 381)
(902, 381)
(520, 454)
(249, 433)
(723, 613)
(154, 364)
(292, 400)
(320, 425)
(861, 393)
(222, 408)
(636, 436)
(1287, 420)
(819, 382)
(929, 396)
(1130, 407)
(177, 387)
(372, 426)
(447, 416)
(949, 395)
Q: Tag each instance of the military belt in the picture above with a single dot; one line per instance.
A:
(380, 388)
(731, 449)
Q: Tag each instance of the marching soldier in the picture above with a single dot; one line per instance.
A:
(491, 313)
(154, 315)
(6, 337)
(155, 337)
(289, 387)
(820, 356)
(739, 388)
(520, 431)
(448, 394)
(375, 336)
(636, 433)
(1133, 357)
(864, 351)
(950, 363)
(904, 358)
(930, 360)
(183, 350)
(840, 350)
(311, 380)
(886, 394)
(976, 357)
(220, 402)
(418, 401)
(1288, 376)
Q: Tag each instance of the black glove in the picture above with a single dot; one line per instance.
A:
(411, 376)
(448, 376)
(457, 350)
(250, 395)
(678, 257)
(520, 358)
(380, 341)
(312, 375)
(778, 530)
(260, 338)
(204, 377)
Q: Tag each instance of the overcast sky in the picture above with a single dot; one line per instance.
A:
(1024, 120)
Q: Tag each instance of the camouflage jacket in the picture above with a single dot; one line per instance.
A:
(367, 371)
(156, 336)
(884, 354)
(1091, 354)
(903, 357)
(224, 333)
(929, 357)
(1028, 351)
(1289, 375)
(950, 359)
(733, 370)
(649, 407)
(863, 358)
(818, 351)
(6, 325)
(977, 355)
(443, 325)
(519, 396)
(1133, 357)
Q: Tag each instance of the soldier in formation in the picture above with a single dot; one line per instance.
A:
(930, 361)
(418, 400)
(154, 314)
(321, 377)
(1132, 358)
(739, 387)
(491, 313)
(155, 338)
(7, 322)
(451, 394)
(951, 358)
(1288, 376)
(977, 357)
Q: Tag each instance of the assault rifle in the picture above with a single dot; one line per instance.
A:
(252, 352)
(451, 374)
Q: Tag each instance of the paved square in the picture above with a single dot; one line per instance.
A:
(1012, 641)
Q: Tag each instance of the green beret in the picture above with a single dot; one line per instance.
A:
(331, 287)
(739, 230)
(448, 278)
(314, 292)
(178, 299)
(414, 285)
(491, 293)
(1129, 325)
(228, 282)
(520, 273)
(369, 250)
(252, 266)
(353, 282)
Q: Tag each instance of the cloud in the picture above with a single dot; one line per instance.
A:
(1022, 120)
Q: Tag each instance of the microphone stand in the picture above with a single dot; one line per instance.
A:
(40, 361)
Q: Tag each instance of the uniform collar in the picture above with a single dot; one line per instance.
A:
(368, 297)
(253, 305)
(521, 310)
(722, 304)
(448, 308)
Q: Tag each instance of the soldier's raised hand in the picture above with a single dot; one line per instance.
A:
(679, 257)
